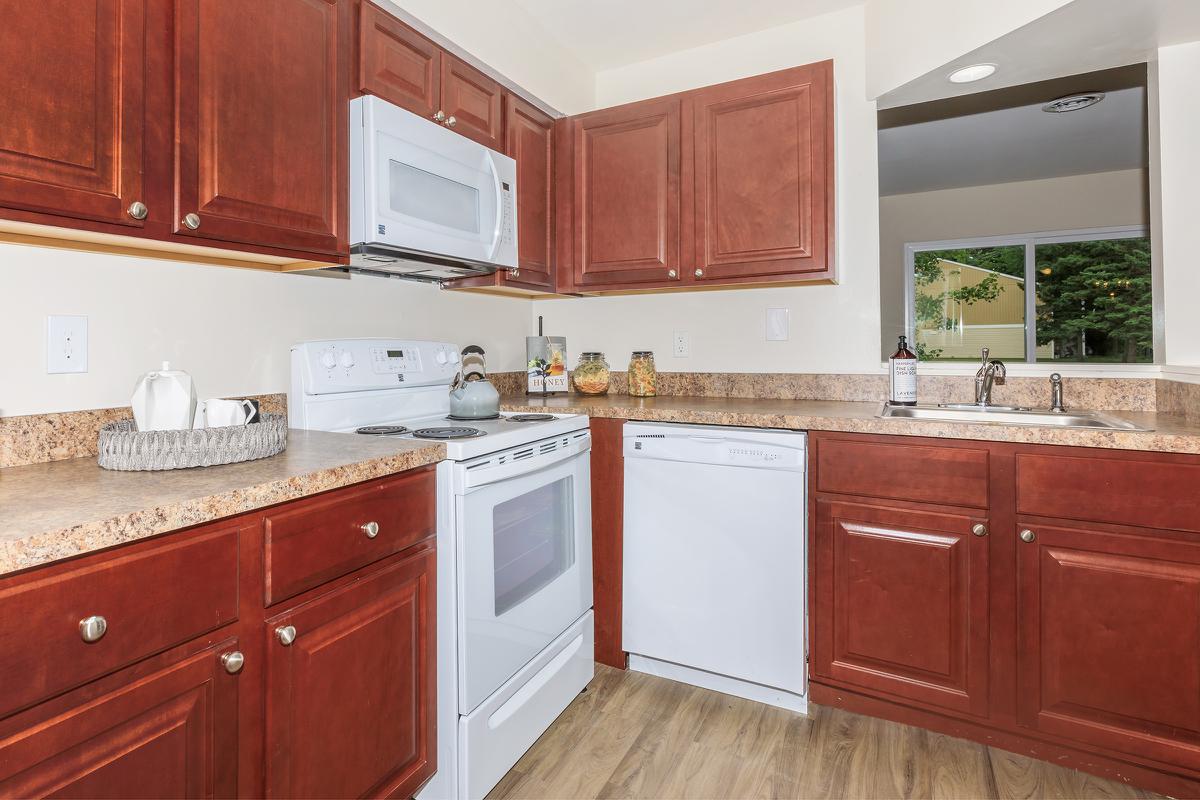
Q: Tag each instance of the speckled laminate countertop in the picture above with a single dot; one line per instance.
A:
(67, 508)
(1170, 434)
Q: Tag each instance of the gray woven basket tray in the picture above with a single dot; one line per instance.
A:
(124, 447)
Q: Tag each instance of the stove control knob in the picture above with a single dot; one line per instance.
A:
(347, 359)
(328, 359)
(442, 358)
(454, 359)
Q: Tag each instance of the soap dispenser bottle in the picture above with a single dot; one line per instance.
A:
(903, 374)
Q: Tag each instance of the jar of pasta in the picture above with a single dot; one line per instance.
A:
(592, 374)
(643, 378)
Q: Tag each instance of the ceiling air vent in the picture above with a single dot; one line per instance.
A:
(1072, 102)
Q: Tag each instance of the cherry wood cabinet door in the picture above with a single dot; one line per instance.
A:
(627, 195)
(1109, 639)
(764, 176)
(262, 121)
(901, 604)
(472, 102)
(72, 105)
(397, 63)
(529, 139)
(351, 701)
(169, 733)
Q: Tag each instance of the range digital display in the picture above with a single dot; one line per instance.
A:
(395, 354)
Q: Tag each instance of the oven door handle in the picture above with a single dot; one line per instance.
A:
(514, 469)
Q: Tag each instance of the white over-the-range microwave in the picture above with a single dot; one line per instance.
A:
(425, 202)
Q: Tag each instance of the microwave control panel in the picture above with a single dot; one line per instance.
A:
(507, 212)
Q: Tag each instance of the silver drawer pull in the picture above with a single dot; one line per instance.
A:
(286, 635)
(371, 529)
(92, 629)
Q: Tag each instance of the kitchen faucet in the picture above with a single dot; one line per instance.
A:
(990, 371)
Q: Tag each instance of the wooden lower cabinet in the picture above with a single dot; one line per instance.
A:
(902, 603)
(1109, 639)
(188, 690)
(350, 700)
(1067, 627)
(169, 733)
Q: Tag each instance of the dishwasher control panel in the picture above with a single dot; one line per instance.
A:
(717, 446)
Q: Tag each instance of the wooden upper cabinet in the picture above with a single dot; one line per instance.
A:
(627, 195)
(529, 139)
(351, 702)
(472, 103)
(901, 604)
(764, 176)
(262, 123)
(72, 103)
(397, 63)
(1109, 639)
(171, 732)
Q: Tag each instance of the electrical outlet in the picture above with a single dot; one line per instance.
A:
(66, 344)
(681, 345)
(777, 325)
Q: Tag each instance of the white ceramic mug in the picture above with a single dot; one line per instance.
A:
(217, 413)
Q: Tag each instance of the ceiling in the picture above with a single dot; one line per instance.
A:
(611, 33)
(1080, 37)
(1014, 144)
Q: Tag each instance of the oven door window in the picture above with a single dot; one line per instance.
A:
(533, 541)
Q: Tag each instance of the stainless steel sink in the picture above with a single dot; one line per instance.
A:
(1008, 415)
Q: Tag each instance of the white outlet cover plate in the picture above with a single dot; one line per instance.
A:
(777, 325)
(681, 345)
(66, 344)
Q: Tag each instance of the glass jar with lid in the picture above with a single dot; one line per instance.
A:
(592, 374)
(643, 377)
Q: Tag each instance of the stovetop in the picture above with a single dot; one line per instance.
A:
(468, 439)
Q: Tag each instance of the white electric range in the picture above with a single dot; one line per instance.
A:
(514, 597)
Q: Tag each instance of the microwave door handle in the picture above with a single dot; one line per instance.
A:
(499, 208)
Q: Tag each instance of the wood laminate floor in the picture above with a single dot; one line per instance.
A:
(632, 735)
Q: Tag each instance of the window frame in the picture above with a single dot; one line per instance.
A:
(1030, 241)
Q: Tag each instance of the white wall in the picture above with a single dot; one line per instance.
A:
(834, 328)
(508, 39)
(230, 328)
(1104, 199)
(1175, 174)
(907, 39)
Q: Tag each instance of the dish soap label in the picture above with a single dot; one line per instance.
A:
(903, 375)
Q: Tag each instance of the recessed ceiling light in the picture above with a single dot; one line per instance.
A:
(1073, 102)
(975, 72)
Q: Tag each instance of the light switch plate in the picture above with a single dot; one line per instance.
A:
(66, 344)
(681, 344)
(777, 325)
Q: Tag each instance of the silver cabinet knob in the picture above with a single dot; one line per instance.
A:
(371, 529)
(699, 273)
(672, 273)
(92, 629)
(286, 635)
(233, 662)
(979, 529)
(1027, 535)
(192, 221)
(440, 116)
(451, 121)
(137, 209)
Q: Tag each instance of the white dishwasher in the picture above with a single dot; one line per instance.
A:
(714, 558)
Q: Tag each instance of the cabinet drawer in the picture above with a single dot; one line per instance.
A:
(946, 474)
(313, 542)
(1121, 491)
(151, 598)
